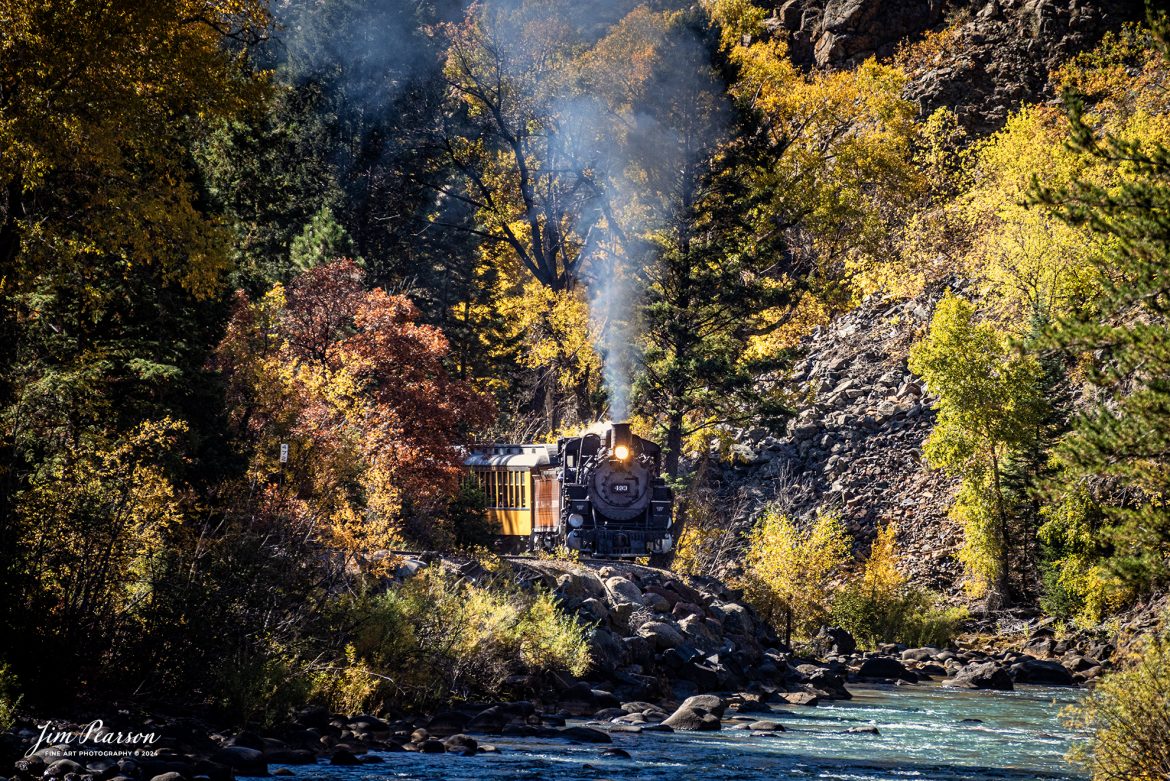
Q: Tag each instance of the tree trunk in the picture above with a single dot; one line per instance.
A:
(550, 403)
(1003, 582)
(674, 435)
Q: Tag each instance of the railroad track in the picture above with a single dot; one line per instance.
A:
(528, 558)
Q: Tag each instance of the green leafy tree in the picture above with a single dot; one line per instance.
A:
(710, 275)
(989, 410)
(111, 293)
(270, 172)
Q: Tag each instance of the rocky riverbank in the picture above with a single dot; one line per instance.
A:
(670, 653)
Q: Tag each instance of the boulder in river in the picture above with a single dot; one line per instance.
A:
(697, 714)
(981, 675)
(766, 726)
(885, 667)
(447, 723)
(245, 761)
(1042, 671)
(584, 735)
(800, 698)
(344, 757)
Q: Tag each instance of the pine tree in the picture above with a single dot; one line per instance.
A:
(1123, 441)
(323, 240)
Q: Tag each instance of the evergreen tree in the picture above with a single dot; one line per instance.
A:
(322, 240)
(1123, 441)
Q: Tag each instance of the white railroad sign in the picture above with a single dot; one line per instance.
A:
(284, 452)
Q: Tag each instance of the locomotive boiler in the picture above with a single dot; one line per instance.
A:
(601, 494)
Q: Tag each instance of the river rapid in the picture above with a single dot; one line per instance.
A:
(926, 732)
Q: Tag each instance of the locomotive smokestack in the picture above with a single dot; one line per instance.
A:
(620, 440)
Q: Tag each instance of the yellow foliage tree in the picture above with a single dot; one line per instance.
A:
(880, 575)
(98, 521)
(837, 176)
(990, 410)
(880, 605)
(788, 571)
(97, 100)
(558, 337)
(1128, 717)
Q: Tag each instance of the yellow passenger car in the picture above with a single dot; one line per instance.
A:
(521, 486)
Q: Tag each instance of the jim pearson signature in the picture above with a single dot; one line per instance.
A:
(93, 734)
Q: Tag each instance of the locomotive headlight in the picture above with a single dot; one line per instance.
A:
(621, 452)
(576, 519)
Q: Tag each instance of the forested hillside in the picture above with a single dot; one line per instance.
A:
(877, 281)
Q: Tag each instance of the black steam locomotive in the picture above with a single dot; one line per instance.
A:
(600, 494)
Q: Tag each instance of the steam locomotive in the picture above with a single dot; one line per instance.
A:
(599, 493)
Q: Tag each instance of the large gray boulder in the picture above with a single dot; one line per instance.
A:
(738, 619)
(1042, 671)
(885, 667)
(624, 590)
(981, 675)
(607, 650)
(584, 735)
(661, 634)
(698, 714)
(696, 629)
(833, 640)
(245, 761)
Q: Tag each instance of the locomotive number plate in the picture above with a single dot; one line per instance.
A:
(621, 488)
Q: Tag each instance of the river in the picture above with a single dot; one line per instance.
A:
(927, 733)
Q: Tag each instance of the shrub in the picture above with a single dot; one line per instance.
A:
(881, 606)
(912, 616)
(349, 687)
(467, 518)
(1078, 584)
(787, 570)
(9, 700)
(437, 637)
(261, 686)
(1128, 715)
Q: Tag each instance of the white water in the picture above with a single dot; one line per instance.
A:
(923, 736)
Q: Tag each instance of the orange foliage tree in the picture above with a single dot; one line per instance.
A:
(356, 387)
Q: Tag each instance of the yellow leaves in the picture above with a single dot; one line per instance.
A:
(558, 332)
(737, 20)
(788, 571)
(1126, 715)
(102, 513)
(880, 575)
(93, 126)
(842, 173)
(1029, 263)
(1124, 75)
(794, 324)
(356, 388)
(550, 639)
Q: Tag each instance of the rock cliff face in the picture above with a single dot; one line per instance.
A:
(856, 445)
(999, 55)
